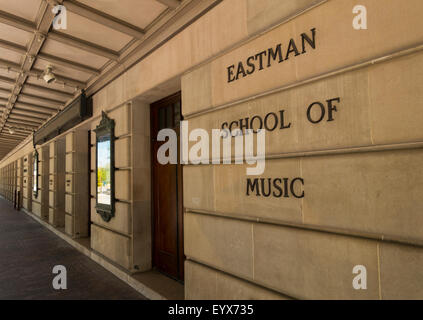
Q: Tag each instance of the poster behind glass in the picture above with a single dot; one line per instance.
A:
(103, 171)
(35, 174)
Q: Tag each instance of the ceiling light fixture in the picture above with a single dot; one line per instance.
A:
(48, 75)
(40, 37)
(11, 130)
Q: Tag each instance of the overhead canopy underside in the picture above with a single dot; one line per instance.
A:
(98, 35)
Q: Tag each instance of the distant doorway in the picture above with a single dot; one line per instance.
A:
(167, 209)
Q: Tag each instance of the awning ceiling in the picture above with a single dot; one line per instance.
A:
(98, 34)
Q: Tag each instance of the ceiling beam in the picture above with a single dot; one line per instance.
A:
(83, 45)
(39, 73)
(30, 106)
(33, 125)
(67, 81)
(30, 115)
(170, 3)
(24, 123)
(68, 63)
(5, 91)
(17, 135)
(7, 149)
(21, 131)
(7, 80)
(11, 65)
(22, 137)
(50, 58)
(32, 112)
(27, 62)
(6, 140)
(48, 90)
(25, 118)
(28, 26)
(164, 28)
(9, 144)
(5, 101)
(42, 99)
(24, 134)
(9, 136)
(104, 19)
(12, 46)
(16, 22)
(21, 127)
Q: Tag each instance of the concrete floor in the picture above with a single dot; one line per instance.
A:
(28, 253)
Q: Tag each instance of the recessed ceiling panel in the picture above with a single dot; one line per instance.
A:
(88, 30)
(14, 35)
(38, 102)
(73, 54)
(26, 9)
(54, 85)
(63, 71)
(10, 56)
(5, 86)
(45, 94)
(4, 95)
(8, 74)
(139, 13)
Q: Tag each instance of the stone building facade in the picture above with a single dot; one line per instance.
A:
(342, 187)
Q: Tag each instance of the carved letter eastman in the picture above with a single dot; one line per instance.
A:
(266, 58)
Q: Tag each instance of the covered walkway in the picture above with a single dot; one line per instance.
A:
(28, 253)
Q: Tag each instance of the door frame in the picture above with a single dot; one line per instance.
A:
(180, 219)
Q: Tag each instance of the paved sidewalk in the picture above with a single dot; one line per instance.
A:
(28, 253)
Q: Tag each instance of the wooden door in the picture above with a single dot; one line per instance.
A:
(168, 256)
